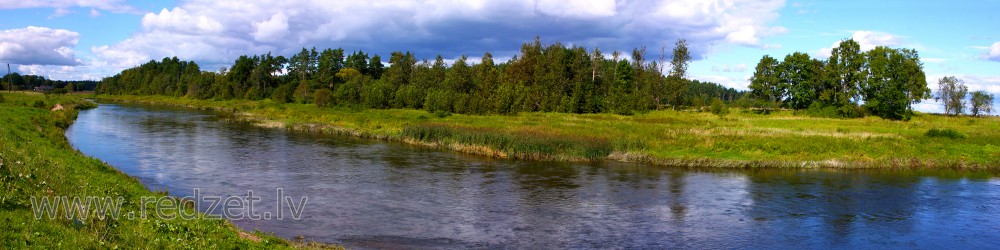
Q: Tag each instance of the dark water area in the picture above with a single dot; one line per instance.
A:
(374, 194)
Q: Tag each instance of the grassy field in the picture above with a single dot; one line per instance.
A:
(37, 161)
(675, 138)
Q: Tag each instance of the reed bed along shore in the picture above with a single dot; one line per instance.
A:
(669, 138)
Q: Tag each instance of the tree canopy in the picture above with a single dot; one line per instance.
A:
(553, 78)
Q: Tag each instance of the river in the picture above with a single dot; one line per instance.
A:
(374, 194)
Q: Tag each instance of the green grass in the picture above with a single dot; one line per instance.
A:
(37, 161)
(780, 139)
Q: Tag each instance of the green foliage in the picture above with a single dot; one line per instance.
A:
(284, 93)
(896, 80)
(1, 98)
(323, 98)
(664, 136)
(981, 103)
(765, 84)
(39, 104)
(719, 108)
(951, 93)
(442, 113)
(945, 133)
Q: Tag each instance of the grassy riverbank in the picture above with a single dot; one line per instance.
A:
(673, 138)
(37, 161)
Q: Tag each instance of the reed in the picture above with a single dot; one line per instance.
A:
(666, 137)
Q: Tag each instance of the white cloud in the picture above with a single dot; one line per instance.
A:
(738, 83)
(868, 40)
(95, 13)
(216, 32)
(993, 52)
(38, 45)
(272, 30)
(181, 22)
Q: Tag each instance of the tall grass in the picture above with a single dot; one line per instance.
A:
(668, 137)
(518, 145)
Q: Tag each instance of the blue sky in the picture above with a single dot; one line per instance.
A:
(89, 40)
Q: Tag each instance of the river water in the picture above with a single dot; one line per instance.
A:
(374, 194)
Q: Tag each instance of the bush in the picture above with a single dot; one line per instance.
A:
(947, 133)
(442, 114)
(719, 108)
(829, 111)
(1, 98)
(323, 98)
(39, 104)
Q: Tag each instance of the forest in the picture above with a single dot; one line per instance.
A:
(15, 81)
(884, 82)
(553, 78)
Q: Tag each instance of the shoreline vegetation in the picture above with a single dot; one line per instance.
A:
(571, 103)
(36, 161)
(741, 139)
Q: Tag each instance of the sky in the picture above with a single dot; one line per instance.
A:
(88, 39)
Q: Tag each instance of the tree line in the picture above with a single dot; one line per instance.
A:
(883, 81)
(15, 81)
(553, 78)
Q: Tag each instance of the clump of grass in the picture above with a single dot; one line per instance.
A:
(442, 114)
(946, 133)
(428, 132)
(518, 145)
(628, 144)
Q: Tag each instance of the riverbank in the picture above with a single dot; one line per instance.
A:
(36, 161)
(670, 138)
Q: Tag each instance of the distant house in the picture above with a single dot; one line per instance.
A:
(44, 88)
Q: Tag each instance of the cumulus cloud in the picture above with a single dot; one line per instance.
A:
(993, 52)
(216, 32)
(868, 40)
(38, 45)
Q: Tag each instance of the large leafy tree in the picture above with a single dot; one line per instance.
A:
(951, 94)
(981, 103)
(845, 73)
(895, 81)
(801, 76)
(766, 83)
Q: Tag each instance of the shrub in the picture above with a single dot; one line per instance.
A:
(947, 133)
(1, 98)
(719, 108)
(39, 104)
(442, 114)
(323, 98)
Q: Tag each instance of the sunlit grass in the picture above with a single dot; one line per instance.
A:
(662, 137)
(37, 161)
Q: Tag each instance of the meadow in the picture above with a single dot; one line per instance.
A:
(740, 139)
(37, 161)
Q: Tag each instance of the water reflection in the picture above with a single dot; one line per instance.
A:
(370, 194)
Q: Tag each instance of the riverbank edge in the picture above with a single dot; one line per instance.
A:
(65, 113)
(621, 156)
